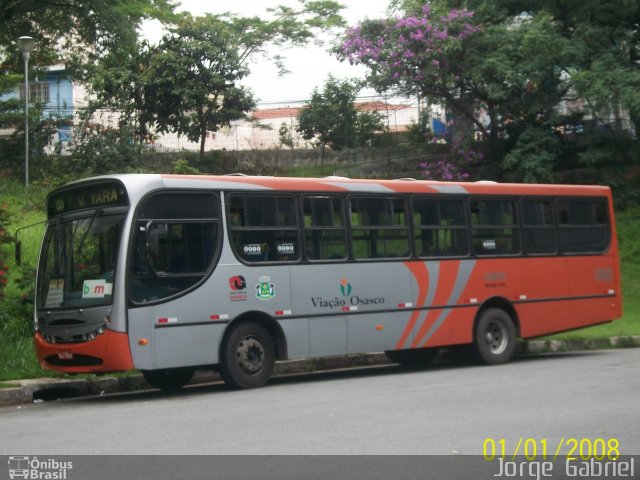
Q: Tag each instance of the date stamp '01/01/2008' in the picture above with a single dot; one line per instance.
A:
(570, 457)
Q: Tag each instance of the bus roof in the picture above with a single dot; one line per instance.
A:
(343, 184)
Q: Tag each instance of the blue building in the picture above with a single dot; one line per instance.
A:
(55, 92)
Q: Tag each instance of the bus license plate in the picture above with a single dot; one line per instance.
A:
(65, 355)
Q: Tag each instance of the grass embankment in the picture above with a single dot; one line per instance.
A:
(17, 354)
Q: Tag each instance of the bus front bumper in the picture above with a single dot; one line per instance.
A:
(108, 352)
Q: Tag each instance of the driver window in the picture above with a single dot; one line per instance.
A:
(174, 244)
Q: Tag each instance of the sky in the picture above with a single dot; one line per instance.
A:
(308, 66)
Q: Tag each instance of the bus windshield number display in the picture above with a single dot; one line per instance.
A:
(98, 195)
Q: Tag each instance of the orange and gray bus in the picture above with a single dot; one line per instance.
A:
(168, 274)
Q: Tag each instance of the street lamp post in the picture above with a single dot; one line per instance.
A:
(26, 44)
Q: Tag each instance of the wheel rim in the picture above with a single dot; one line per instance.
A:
(497, 337)
(250, 355)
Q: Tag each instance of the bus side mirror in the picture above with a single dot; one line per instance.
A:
(18, 243)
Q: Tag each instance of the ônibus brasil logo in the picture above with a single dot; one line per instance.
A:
(38, 469)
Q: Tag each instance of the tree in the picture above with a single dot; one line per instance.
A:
(83, 30)
(80, 33)
(12, 117)
(285, 135)
(505, 68)
(331, 117)
(492, 77)
(190, 83)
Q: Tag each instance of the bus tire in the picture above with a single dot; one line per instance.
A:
(413, 358)
(494, 337)
(169, 379)
(247, 357)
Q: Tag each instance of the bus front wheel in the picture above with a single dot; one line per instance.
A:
(495, 337)
(248, 356)
(169, 378)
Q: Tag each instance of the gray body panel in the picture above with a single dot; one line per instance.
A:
(316, 316)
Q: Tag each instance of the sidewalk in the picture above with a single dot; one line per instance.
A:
(42, 389)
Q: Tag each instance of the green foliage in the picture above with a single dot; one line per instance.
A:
(95, 150)
(5, 240)
(286, 27)
(420, 131)
(188, 84)
(532, 160)
(191, 80)
(512, 69)
(12, 148)
(117, 84)
(333, 120)
(182, 167)
(82, 31)
(18, 208)
(285, 135)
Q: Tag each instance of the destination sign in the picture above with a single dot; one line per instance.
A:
(104, 194)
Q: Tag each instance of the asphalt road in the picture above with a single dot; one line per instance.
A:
(451, 408)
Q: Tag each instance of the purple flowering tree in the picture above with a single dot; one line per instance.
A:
(417, 54)
(454, 166)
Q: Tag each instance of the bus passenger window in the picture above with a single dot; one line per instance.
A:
(263, 228)
(494, 227)
(538, 227)
(583, 226)
(439, 227)
(379, 228)
(324, 228)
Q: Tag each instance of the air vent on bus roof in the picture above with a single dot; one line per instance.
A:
(407, 179)
(336, 177)
(235, 174)
(485, 181)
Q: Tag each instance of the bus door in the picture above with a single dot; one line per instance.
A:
(175, 246)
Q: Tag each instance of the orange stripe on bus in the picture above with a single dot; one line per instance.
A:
(446, 282)
(419, 271)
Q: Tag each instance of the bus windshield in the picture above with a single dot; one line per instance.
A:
(78, 261)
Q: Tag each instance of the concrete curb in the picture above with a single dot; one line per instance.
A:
(41, 389)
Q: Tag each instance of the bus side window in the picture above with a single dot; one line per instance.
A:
(379, 228)
(324, 228)
(583, 225)
(263, 228)
(174, 244)
(494, 227)
(538, 227)
(439, 227)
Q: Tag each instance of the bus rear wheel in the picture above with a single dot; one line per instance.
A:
(494, 337)
(413, 358)
(248, 356)
(170, 378)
